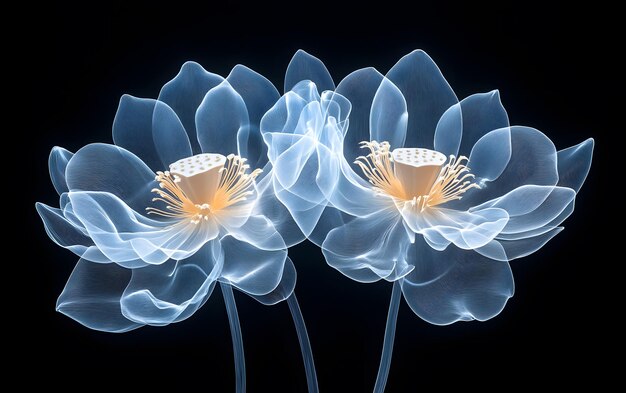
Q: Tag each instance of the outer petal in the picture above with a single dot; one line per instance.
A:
(284, 289)
(482, 113)
(259, 95)
(303, 66)
(132, 240)
(369, 248)
(57, 162)
(109, 168)
(151, 130)
(388, 119)
(508, 247)
(171, 292)
(428, 95)
(92, 295)
(220, 117)
(574, 164)
(250, 269)
(359, 88)
(449, 131)
(258, 231)
(455, 285)
(184, 94)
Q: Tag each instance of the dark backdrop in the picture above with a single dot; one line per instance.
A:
(555, 72)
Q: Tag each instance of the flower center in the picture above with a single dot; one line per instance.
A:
(419, 176)
(196, 187)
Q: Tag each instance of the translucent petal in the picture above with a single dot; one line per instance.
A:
(68, 235)
(388, 119)
(151, 130)
(428, 95)
(449, 131)
(330, 219)
(184, 94)
(250, 269)
(303, 66)
(509, 247)
(132, 240)
(369, 248)
(92, 294)
(171, 292)
(455, 285)
(57, 162)
(359, 88)
(491, 155)
(259, 232)
(482, 113)
(220, 117)
(109, 168)
(259, 95)
(284, 289)
(574, 164)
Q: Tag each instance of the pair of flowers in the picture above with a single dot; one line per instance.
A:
(391, 175)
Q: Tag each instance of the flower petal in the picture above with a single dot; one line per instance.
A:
(428, 95)
(482, 113)
(369, 248)
(57, 162)
(184, 94)
(455, 285)
(92, 295)
(151, 130)
(259, 231)
(303, 66)
(220, 117)
(388, 119)
(132, 240)
(508, 247)
(259, 95)
(171, 292)
(574, 164)
(284, 289)
(109, 168)
(359, 88)
(449, 131)
(250, 269)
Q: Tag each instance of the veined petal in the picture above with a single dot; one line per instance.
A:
(507, 247)
(259, 232)
(449, 131)
(428, 95)
(284, 289)
(482, 113)
(303, 66)
(388, 118)
(455, 285)
(184, 94)
(151, 130)
(369, 248)
(171, 292)
(574, 164)
(132, 240)
(251, 269)
(92, 295)
(112, 169)
(57, 162)
(220, 117)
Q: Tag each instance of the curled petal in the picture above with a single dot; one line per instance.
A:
(455, 285)
(303, 66)
(258, 231)
(508, 247)
(57, 162)
(284, 289)
(171, 292)
(184, 94)
(92, 295)
(574, 164)
(151, 130)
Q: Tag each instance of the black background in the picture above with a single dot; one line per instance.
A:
(555, 70)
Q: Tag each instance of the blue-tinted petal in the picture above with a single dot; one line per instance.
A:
(151, 130)
(109, 168)
(250, 269)
(491, 155)
(449, 131)
(171, 292)
(184, 94)
(57, 162)
(259, 95)
(260, 232)
(482, 113)
(388, 119)
(507, 247)
(303, 66)
(92, 295)
(132, 240)
(574, 164)
(284, 289)
(220, 117)
(369, 248)
(455, 285)
(428, 95)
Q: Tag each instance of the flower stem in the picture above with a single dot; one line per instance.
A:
(305, 345)
(390, 333)
(235, 332)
